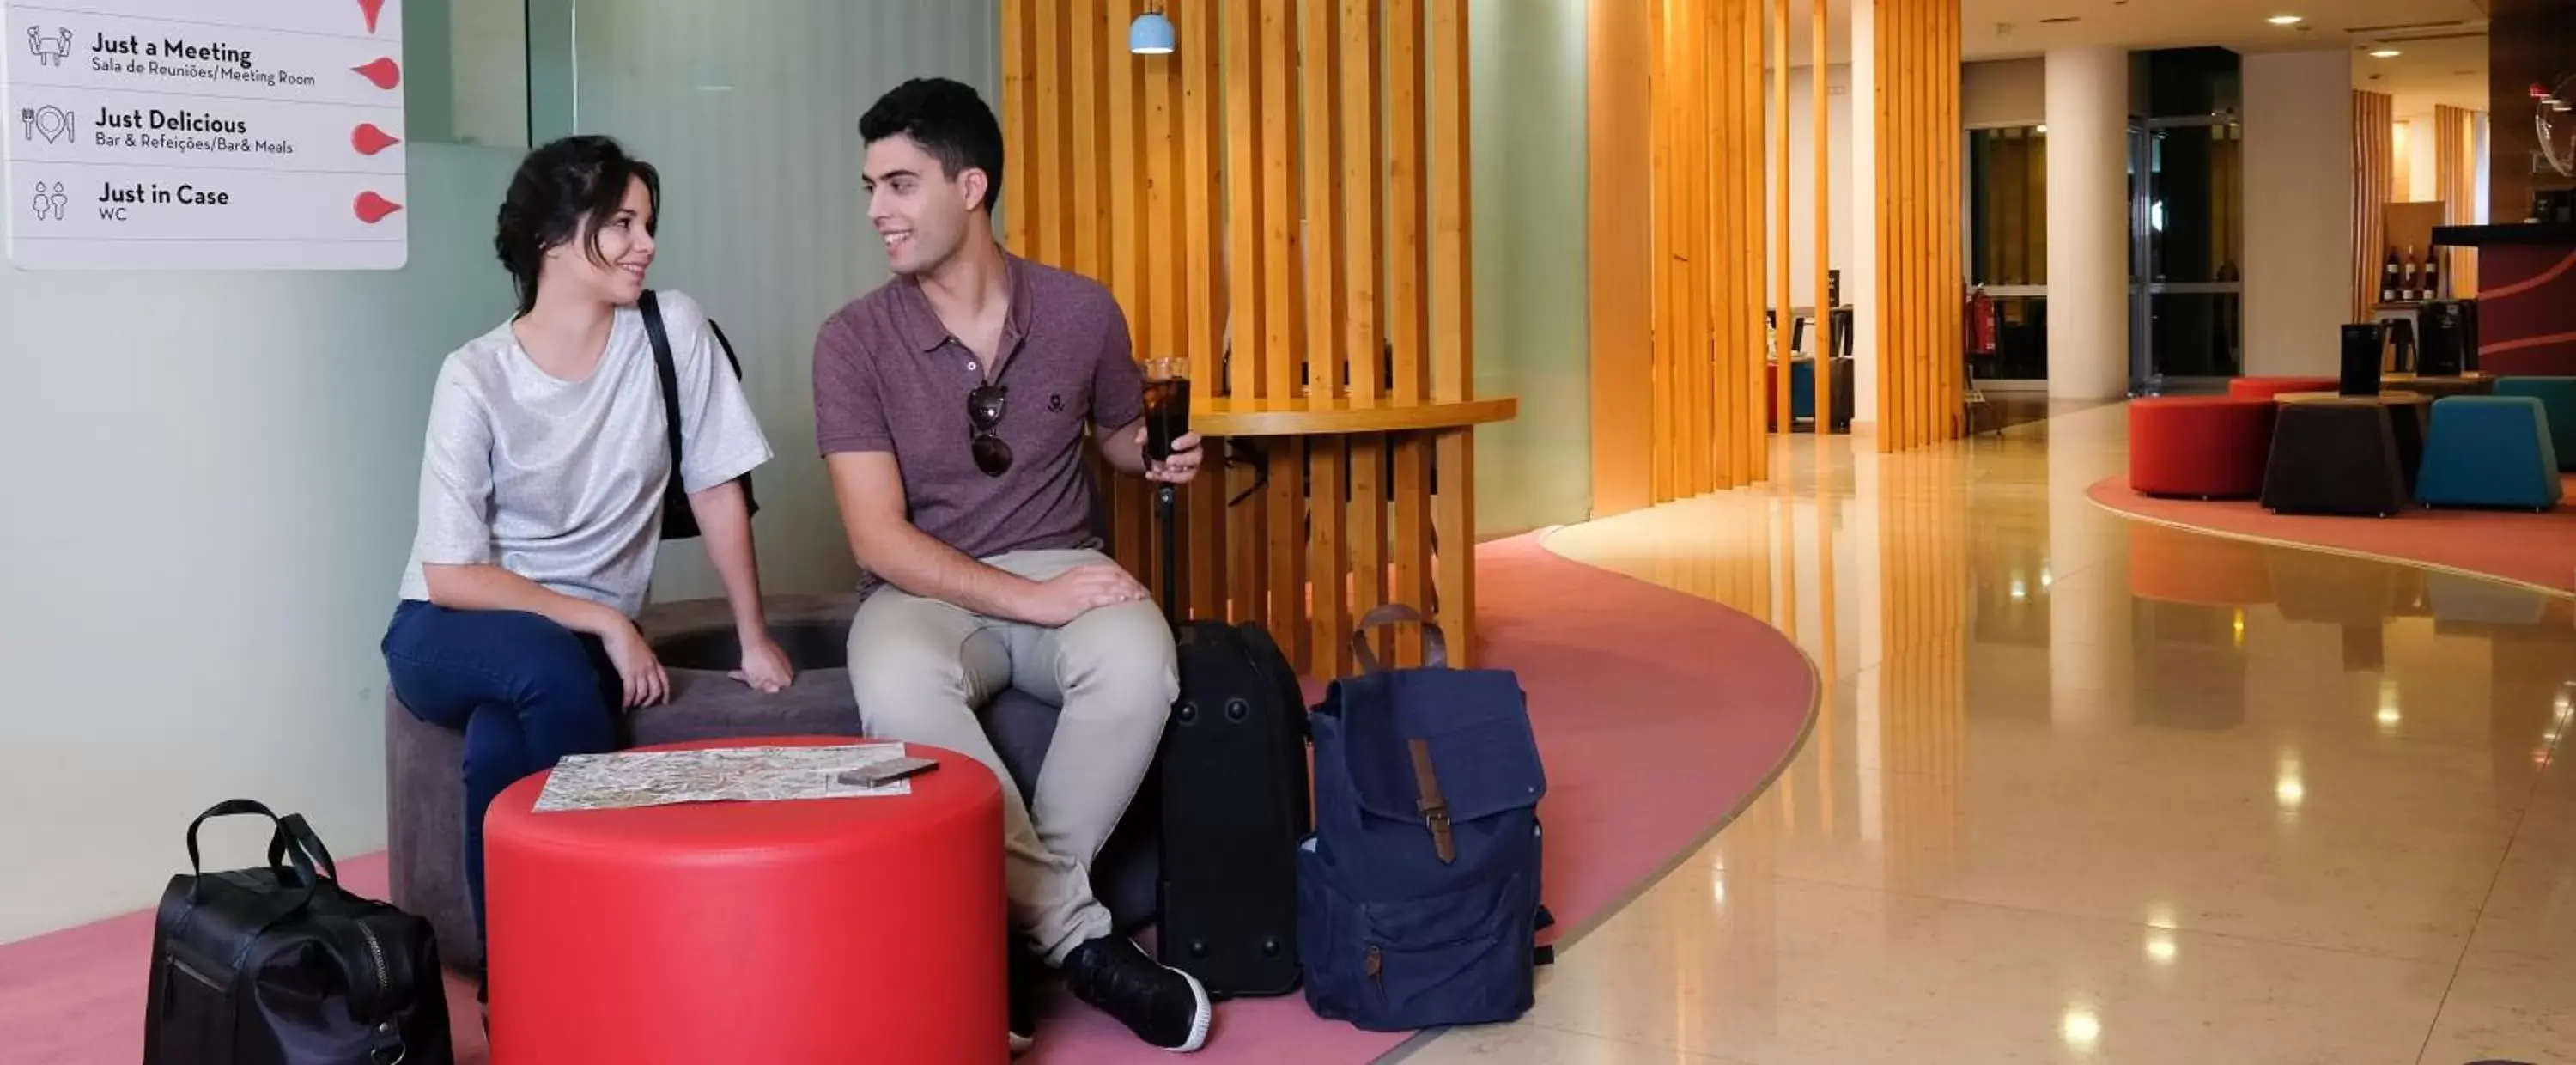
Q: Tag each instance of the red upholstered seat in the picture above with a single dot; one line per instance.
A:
(786, 933)
(2210, 447)
(2268, 387)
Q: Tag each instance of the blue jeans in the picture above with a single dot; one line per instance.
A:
(524, 690)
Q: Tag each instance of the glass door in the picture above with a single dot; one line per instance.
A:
(2186, 189)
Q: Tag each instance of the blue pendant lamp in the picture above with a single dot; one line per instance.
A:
(1151, 33)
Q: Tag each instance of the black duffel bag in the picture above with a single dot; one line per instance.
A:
(282, 966)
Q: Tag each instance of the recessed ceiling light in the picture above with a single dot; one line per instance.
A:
(2283, 20)
(2385, 53)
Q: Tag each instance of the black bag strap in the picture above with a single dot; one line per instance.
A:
(669, 373)
(675, 496)
(1435, 644)
(293, 833)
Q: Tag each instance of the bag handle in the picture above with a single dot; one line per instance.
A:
(1428, 798)
(1435, 644)
(278, 841)
(294, 834)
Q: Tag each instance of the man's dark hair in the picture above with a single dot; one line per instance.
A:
(568, 188)
(950, 121)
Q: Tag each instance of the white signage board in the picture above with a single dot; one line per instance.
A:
(203, 134)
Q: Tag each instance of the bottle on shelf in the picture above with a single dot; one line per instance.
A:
(2408, 289)
(2432, 285)
(2388, 278)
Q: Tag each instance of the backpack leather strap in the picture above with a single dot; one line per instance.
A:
(1434, 805)
(1435, 644)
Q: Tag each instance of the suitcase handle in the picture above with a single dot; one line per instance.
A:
(1435, 644)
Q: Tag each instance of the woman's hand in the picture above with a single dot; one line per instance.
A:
(764, 665)
(646, 683)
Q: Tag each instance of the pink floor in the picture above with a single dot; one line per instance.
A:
(2533, 549)
(1660, 715)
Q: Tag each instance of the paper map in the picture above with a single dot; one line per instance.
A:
(725, 774)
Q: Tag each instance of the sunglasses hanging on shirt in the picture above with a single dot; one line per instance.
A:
(984, 414)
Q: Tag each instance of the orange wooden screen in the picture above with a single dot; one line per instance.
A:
(1282, 200)
(2374, 152)
(2455, 174)
(1917, 184)
(1704, 244)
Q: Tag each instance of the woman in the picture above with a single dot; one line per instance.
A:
(542, 483)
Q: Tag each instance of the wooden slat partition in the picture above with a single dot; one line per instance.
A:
(1283, 201)
(1702, 220)
(2374, 182)
(1780, 216)
(1917, 189)
(1820, 143)
(2455, 175)
(1618, 142)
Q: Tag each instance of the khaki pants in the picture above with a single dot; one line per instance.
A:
(920, 667)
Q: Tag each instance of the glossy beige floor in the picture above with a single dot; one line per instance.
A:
(2084, 790)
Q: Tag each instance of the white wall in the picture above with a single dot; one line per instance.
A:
(2088, 223)
(491, 93)
(213, 473)
(2298, 210)
(1802, 169)
(1526, 62)
(2003, 92)
(1846, 167)
(211, 488)
(751, 112)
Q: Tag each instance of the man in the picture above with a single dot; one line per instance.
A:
(950, 405)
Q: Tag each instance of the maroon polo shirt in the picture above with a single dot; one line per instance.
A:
(889, 377)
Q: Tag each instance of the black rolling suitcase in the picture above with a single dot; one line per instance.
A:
(1235, 805)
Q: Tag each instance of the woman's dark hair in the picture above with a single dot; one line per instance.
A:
(568, 188)
(949, 121)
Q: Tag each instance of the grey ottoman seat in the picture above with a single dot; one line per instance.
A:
(425, 788)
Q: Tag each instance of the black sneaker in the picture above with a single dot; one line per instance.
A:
(1162, 1005)
(1025, 972)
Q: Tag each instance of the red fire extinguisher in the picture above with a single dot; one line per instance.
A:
(1982, 323)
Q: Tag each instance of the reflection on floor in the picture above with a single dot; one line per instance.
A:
(2007, 409)
(2088, 790)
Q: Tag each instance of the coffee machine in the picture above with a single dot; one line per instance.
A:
(2363, 343)
(2449, 338)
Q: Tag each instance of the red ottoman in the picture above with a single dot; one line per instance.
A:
(810, 931)
(2208, 447)
(2268, 387)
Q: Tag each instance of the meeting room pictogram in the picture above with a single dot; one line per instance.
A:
(49, 46)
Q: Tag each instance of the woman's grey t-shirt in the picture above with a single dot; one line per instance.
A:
(561, 481)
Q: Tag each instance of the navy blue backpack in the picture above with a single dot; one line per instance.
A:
(1418, 893)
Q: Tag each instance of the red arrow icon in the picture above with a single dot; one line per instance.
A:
(373, 208)
(382, 72)
(369, 140)
(372, 8)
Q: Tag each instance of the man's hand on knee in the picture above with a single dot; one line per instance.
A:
(1056, 602)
